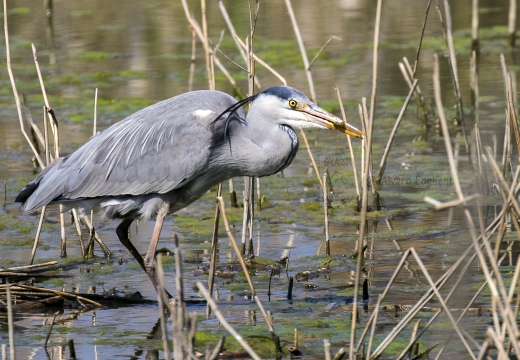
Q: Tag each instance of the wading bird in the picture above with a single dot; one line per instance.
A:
(164, 157)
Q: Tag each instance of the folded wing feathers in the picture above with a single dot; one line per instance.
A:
(151, 151)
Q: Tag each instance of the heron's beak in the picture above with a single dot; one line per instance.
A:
(321, 117)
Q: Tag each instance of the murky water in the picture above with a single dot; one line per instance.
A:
(139, 53)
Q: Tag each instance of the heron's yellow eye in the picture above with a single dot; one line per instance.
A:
(293, 103)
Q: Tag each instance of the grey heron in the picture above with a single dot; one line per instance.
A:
(163, 157)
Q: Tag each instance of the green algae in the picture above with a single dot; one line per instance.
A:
(93, 56)
(19, 11)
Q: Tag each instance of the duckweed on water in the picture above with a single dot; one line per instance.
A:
(312, 206)
(81, 13)
(19, 11)
(13, 223)
(93, 56)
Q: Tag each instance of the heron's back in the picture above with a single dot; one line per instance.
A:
(153, 151)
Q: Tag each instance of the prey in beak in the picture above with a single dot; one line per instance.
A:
(321, 117)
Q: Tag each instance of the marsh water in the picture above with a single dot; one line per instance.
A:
(137, 53)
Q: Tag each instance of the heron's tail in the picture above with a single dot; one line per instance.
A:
(47, 186)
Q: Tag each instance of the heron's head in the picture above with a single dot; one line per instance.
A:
(288, 106)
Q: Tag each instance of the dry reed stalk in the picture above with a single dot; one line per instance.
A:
(232, 194)
(373, 318)
(424, 299)
(232, 30)
(163, 309)
(233, 33)
(310, 81)
(474, 26)
(511, 25)
(253, 16)
(214, 244)
(449, 204)
(276, 338)
(448, 35)
(497, 343)
(246, 216)
(303, 53)
(517, 306)
(370, 180)
(234, 244)
(217, 350)
(48, 156)
(366, 144)
(61, 293)
(452, 61)
(511, 194)
(10, 325)
(32, 267)
(497, 289)
(483, 350)
(382, 165)
(423, 105)
(326, 348)
(224, 323)
(50, 330)
(182, 344)
(514, 282)
(38, 233)
(226, 73)
(339, 355)
(503, 66)
(326, 212)
(207, 51)
(93, 231)
(512, 109)
(349, 141)
(418, 52)
(54, 127)
(333, 37)
(180, 304)
(192, 59)
(78, 231)
(38, 139)
(475, 93)
(441, 300)
(263, 63)
(94, 121)
(444, 126)
(15, 91)
(375, 63)
(258, 194)
(249, 210)
(4, 198)
(414, 334)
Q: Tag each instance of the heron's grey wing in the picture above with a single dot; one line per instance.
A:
(155, 150)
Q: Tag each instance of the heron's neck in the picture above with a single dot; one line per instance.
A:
(259, 148)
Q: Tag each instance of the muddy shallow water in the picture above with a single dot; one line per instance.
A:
(138, 54)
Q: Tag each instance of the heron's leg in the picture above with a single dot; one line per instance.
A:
(122, 234)
(150, 254)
